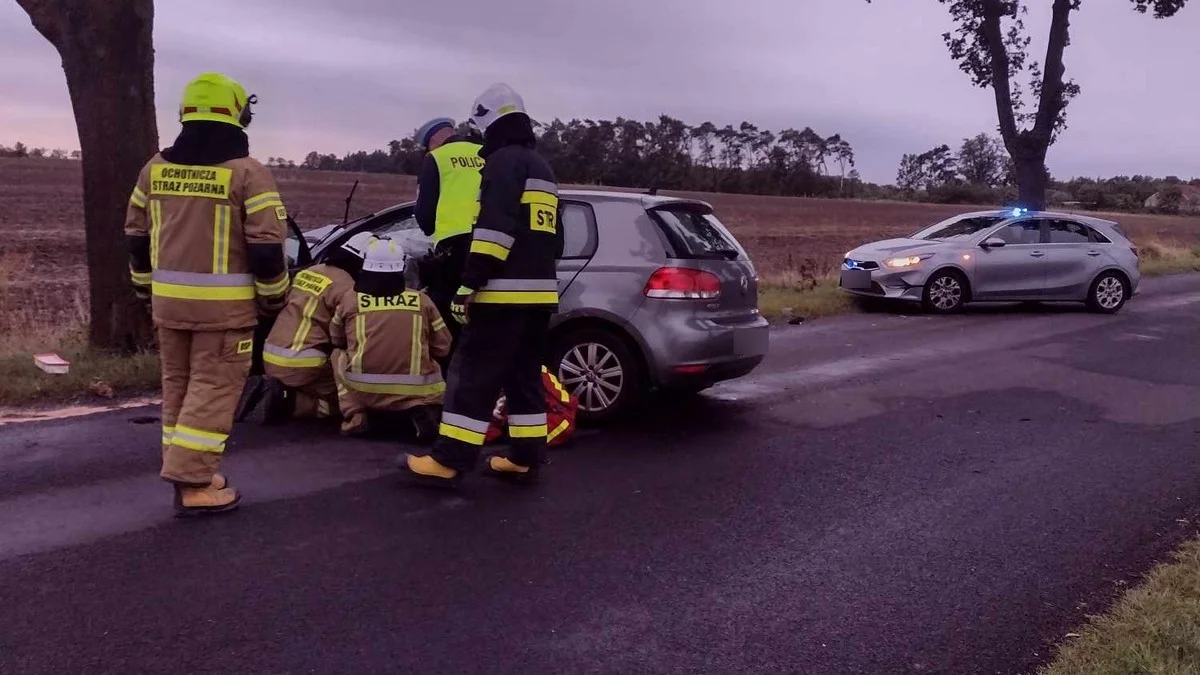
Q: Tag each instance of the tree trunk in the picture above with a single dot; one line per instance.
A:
(108, 57)
(1030, 169)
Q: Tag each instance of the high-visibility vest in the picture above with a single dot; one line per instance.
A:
(458, 191)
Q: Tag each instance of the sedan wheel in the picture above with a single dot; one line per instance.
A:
(945, 292)
(598, 369)
(1108, 293)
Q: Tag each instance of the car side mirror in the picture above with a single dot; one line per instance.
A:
(994, 242)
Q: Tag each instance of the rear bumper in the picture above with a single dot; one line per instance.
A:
(693, 352)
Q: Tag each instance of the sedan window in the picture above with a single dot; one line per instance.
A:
(1021, 232)
(1068, 232)
(957, 228)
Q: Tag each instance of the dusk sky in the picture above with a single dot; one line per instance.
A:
(353, 74)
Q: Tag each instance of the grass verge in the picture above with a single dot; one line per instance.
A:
(93, 374)
(1159, 258)
(1154, 628)
(781, 298)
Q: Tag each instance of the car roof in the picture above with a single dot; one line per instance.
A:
(646, 200)
(1013, 213)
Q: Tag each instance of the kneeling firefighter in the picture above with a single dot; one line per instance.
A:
(509, 292)
(447, 204)
(297, 354)
(391, 336)
(206, 227)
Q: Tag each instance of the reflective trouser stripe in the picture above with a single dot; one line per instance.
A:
(557, 431)
(292, 358)
(198, 439)
(221, 218)
(322, 408)
(139, 278)
(155, 230)
(167, 433)
(463, 428)
(198, 286)
(527, 426)
(517, 297)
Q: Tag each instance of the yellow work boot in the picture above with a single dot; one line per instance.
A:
(499, 466)
(219, 482)
(426, 470)
(194, 501)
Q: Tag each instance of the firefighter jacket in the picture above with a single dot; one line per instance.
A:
(448, 190)
(391, 342)
(561, 408)
(300, 337)
(208, 243)
(516, 240)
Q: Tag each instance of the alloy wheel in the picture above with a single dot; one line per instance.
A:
(946, 292)
(593, 374)
(1110, 292)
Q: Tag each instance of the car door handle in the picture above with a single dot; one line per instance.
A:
(1093, 253)
(1037, 254)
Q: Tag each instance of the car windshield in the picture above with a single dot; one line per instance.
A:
(957, 228)
(695, 234)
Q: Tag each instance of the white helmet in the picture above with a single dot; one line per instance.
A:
(496, 102)
(384, 256)
(357, 244)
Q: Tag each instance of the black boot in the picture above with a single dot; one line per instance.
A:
(279, 402)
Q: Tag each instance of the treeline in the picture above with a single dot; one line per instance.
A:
(980, 172)
(667, 153)
(20, 150)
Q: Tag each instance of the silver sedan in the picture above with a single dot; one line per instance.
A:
(1000, 256)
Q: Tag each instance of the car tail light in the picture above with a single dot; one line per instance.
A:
(683, 283)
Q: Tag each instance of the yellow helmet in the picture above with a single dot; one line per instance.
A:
(213, 97)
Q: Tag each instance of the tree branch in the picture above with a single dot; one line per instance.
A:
(1052, 101)
(46, 16)
(1001, 85)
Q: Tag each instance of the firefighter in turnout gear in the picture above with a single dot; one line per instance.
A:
(391, 336)
(206, 227)
(297, 353)
(509, 292)
(447, 205)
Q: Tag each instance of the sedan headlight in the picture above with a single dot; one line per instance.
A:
(905, 261)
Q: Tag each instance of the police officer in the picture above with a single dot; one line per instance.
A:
(447, 204)
(508, 293)
(206, 228)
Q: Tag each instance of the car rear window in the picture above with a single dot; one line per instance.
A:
(693, 233)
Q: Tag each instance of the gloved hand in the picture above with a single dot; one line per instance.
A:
(460, 303)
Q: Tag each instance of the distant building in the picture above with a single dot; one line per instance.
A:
(1186, 197)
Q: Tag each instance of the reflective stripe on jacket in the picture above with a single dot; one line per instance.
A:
(300, 337)
(391, 343)
(208, 241)
(516, 239)
(458, 166)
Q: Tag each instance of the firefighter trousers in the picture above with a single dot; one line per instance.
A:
(203, 373)
(314, 388)
(445, 276)
(502, 348)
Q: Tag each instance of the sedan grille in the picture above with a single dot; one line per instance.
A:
(851, 264)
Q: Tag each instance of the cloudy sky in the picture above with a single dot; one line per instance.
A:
(351, 74)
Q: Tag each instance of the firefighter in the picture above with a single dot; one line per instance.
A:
(508, 294)
(447, 204)
(206, 229)
(296, 355)
(391, 336)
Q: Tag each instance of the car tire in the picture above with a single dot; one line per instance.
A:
(1108, 293)
(945, 292)
(597, 350)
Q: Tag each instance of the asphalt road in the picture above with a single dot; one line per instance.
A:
(888, 494)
